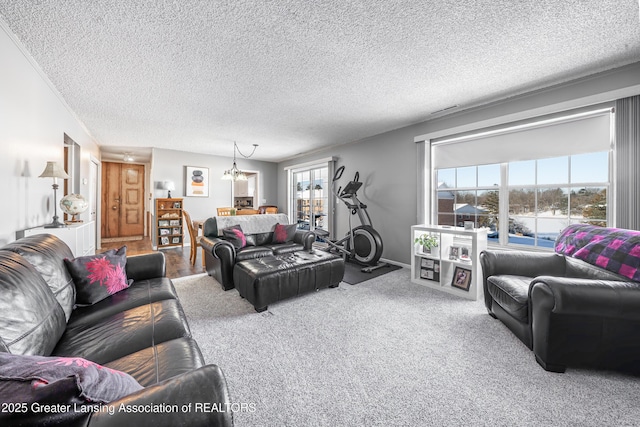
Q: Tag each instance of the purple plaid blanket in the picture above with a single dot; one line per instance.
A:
(613, 249)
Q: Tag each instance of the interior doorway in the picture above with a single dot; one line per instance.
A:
(122, 212)
(245, 192)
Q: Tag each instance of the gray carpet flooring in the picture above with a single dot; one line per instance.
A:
(387, 352)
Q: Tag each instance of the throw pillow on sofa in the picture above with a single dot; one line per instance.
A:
(98, 276)
(235, 236)
(62, 383)
(284, 233)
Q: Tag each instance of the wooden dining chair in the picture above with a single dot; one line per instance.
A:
(247, 212)
(195, 238)
(224, 211)
(268, 209)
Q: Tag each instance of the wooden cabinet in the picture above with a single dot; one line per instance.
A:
(169, 223)
(80, 237)
(454, 265)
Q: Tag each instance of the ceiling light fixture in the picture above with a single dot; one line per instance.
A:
(235, 174)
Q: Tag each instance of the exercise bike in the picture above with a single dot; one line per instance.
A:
(361, 244)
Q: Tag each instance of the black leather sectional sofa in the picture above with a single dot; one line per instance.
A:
(140, 331)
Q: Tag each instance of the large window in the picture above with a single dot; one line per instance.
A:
(527, 197)
(543, 197)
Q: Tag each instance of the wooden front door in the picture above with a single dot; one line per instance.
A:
(122, 200)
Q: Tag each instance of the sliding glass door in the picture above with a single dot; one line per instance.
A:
(310, 198)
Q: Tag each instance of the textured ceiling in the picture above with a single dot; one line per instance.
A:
(297, 75)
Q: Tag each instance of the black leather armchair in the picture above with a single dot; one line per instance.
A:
(506, 279)
(570, 313)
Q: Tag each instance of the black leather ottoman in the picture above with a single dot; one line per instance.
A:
(273, 278)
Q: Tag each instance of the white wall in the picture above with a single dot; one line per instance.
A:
(33, 121)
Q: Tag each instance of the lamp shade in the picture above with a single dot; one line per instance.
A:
(53, 170)
(169, 185)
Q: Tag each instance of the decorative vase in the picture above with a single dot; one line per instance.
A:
(74, 204)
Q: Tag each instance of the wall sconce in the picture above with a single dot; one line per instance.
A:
(52, 170)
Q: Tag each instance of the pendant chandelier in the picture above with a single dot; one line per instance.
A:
(235, 174)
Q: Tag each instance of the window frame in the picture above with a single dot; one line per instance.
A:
(504, 187)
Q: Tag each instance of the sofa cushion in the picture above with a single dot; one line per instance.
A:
(583, 270)
(46, 253)
(511, 293)
(283, 233)
(263, 239)
(235, 236)
(125, 332)
(98, 276)
(141, 292)
(31, 320)
(285, 248)
(251, 252)
(160, 362)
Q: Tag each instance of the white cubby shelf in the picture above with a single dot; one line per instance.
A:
(457, 255)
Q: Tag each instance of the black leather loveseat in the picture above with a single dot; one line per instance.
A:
(568, 306)
(221, 256)
(134, 344)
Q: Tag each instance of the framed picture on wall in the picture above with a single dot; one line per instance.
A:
(196, 181)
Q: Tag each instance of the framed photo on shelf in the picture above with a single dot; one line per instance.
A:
(426, 274)
(164, 231)
(427, 263)
(175, 240)
(163, 223)
(175, 230)
(465, 253)
(164, 240)
(174, 222)
(177, 205)
(196, 181)
(454, 252)
(461, 279)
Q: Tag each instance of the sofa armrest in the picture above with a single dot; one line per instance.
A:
(585, 322)
(306, 238)
(518, 263)
(146, 266)
(196, 398)
(586, 297)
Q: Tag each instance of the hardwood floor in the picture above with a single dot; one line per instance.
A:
(178, 264)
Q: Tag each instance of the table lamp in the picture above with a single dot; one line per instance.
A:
(52, 170)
